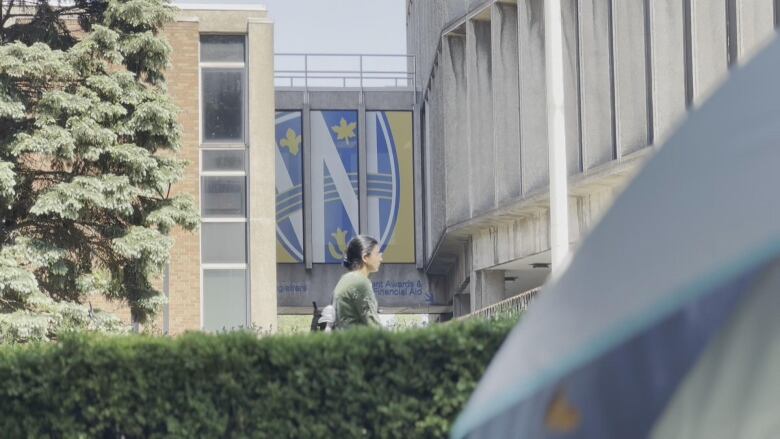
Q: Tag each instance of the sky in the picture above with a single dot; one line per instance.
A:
(333, 26)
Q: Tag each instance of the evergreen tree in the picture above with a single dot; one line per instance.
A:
(88, 139)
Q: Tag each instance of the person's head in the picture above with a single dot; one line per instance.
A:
(363, 250)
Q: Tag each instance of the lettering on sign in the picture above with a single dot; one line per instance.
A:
(398, 288)
(292, 289)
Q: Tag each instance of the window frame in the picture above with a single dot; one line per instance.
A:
(211, 145)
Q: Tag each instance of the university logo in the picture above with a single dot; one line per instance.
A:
(384, 185)
(335, 161)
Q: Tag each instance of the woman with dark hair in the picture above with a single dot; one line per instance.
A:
(353, 298)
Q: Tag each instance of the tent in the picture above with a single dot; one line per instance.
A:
(665, 322)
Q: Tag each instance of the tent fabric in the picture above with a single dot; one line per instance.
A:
(634, 381)
(744, 362)
(701, 213)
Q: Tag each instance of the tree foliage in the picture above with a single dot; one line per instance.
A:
(88, 141)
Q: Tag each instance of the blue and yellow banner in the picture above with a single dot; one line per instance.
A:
(289, 187)
(390, 160)
(334, 159)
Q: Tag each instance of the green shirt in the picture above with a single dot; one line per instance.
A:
(354, 302)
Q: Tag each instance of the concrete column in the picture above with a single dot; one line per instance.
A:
(596, 82)
(262, 150)
(479, 108)
(667, 65)
(456, 157)
(486, 288)
(461, 305)
(630, 73)
(493, 287)
(418, 190)
(708, 53)
(506, 102)
(754, 25)
(533, 97)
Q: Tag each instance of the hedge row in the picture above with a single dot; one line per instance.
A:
(360, 383)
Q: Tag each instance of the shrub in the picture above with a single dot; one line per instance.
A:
(359, 383)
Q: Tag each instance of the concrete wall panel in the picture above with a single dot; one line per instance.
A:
(709, 51)
(327, 100)
(456, 156)
(479, 110)
(506, 102)
(434, 153)
(667, 66)
(533, 97)
(571, 87)
(754, 26)
(595, 82)
(631, 115)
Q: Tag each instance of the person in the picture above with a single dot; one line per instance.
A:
(354, 301)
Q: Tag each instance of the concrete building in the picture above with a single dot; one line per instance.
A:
(632, 69)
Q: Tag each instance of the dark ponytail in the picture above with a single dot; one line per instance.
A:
(359, 246)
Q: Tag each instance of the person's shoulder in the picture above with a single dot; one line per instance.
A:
(354, 278)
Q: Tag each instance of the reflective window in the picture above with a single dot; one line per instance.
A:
(223, 197)
(223, 105)
(222, 48)
(224, 160)
(223, 243)
(224, 299)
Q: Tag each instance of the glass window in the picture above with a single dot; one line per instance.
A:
(222, 48)
(224, 299)
(390, 174)
(289, 187)
(224, 243)
(334, 162)
(223, 197)
(223, 105)
(224, 160)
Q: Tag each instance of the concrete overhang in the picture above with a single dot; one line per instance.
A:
(611, 174)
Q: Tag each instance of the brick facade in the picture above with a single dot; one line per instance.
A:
(183, 86)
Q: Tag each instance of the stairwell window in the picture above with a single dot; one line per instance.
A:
(223, 160)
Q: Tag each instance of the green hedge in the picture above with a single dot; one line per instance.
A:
(361, 383)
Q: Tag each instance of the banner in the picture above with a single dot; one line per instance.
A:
(289, 187)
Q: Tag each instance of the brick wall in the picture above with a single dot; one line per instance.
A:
(183, 86)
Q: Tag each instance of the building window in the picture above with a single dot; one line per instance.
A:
(223, 171)
(223, 79)
(289, 187)
(334, 164)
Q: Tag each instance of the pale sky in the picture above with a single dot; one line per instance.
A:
(333, 26)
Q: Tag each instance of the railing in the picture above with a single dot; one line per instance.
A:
(331, 70)
(513, 305)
